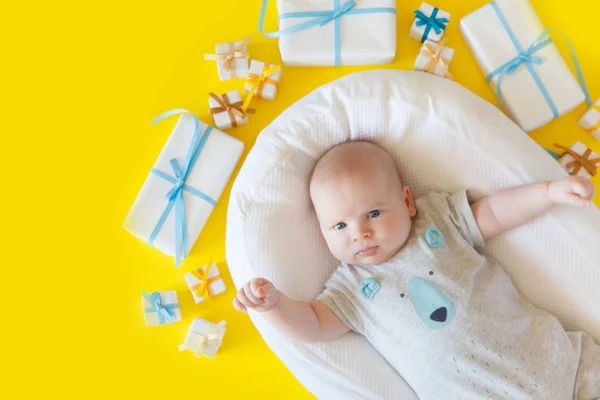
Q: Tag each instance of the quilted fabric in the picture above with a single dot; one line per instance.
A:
(443, 138)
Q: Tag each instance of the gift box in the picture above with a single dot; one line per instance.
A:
(204, 338)
(262, 80)
(579, 160)
(184, 185)
(590, 121)
(334, 32)
(232, 59)
(205, 282)
(429, 24)
(227, 110)
(160, 308)
(435, 58)
(521, 63)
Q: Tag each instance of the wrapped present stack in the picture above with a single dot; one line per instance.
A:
(590, 121)
(521, 63)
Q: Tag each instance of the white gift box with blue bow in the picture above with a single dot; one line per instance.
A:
(334, 32)
(160, 308)
(184, 185)
(522, 64)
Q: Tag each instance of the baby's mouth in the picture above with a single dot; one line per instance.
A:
(368, 251)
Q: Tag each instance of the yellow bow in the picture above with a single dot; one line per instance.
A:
(203, 289)
(258, 82)
(435, 58)
(230, 56)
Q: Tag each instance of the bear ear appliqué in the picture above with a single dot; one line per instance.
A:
(435, 238)
(369, 288)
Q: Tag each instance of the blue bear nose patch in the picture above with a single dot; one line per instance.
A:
(432, 305)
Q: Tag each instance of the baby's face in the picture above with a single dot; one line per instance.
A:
(364, 219)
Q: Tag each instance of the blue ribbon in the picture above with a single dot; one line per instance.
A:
(320, 18)
(526, 57)
(175, 195)
(156, 305)
(437, 24)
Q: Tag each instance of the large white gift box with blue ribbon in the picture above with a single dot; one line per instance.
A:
(183, 186)
(334, 32)
(522, 64)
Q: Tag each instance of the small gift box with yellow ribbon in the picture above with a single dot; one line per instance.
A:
(227, 110)
(262, 80)
(205, 282)
(160, 308)
(590, 121)
(435, 58)
(429, 24)
(204, 338)
(579, 160)
(232, 59)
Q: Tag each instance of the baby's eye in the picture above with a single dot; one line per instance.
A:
(374, 214)
(340, 225)
(430, 272)
(402, 295)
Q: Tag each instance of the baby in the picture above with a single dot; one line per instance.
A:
(412, 280)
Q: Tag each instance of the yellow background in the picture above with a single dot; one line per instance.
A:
(81, 82)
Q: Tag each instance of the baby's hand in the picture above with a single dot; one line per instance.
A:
(258, 294)
(574, 190)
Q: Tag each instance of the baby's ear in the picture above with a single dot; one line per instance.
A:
(409, 201)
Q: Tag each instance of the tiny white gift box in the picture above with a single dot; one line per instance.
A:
(227, 109)
(510, 44)
(335, 32)
(160, 308)
(434, 58)
(579, 160)
(157, 215)
(590, 121)
(204, 338)
(201, 283)
(265, 85)
(232, 59)
(429, 24)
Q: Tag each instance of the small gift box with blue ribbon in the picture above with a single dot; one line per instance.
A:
(160, 308)
(429, 24)
(522, 64)
(590, 121)
(204, 338)
(183, 186)
(334, 32)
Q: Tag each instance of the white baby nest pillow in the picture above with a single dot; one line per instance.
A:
(443, 138)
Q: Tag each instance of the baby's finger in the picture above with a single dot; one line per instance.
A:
(242, 298)
(239, 306)
(584, 188)
(251, 296)
(577, 200)
(266, 290)
(255, 284)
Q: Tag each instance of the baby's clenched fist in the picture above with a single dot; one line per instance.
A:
(258, 294)
(574, 190)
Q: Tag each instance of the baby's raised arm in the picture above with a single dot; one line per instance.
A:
(300, 321)
(507, 209)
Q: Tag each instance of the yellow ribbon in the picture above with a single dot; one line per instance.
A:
(203, 289)
(257, 82)
(435, 58)
(230, 56)
(199, 342)
(593, 128)
(596, 107)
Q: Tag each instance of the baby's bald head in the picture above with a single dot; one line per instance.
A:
(357, 159)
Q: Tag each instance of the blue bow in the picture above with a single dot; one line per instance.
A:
(525, 57)
(320, 18)
(338, 12)
(437, 24)
(175, 195)
(156, 305)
